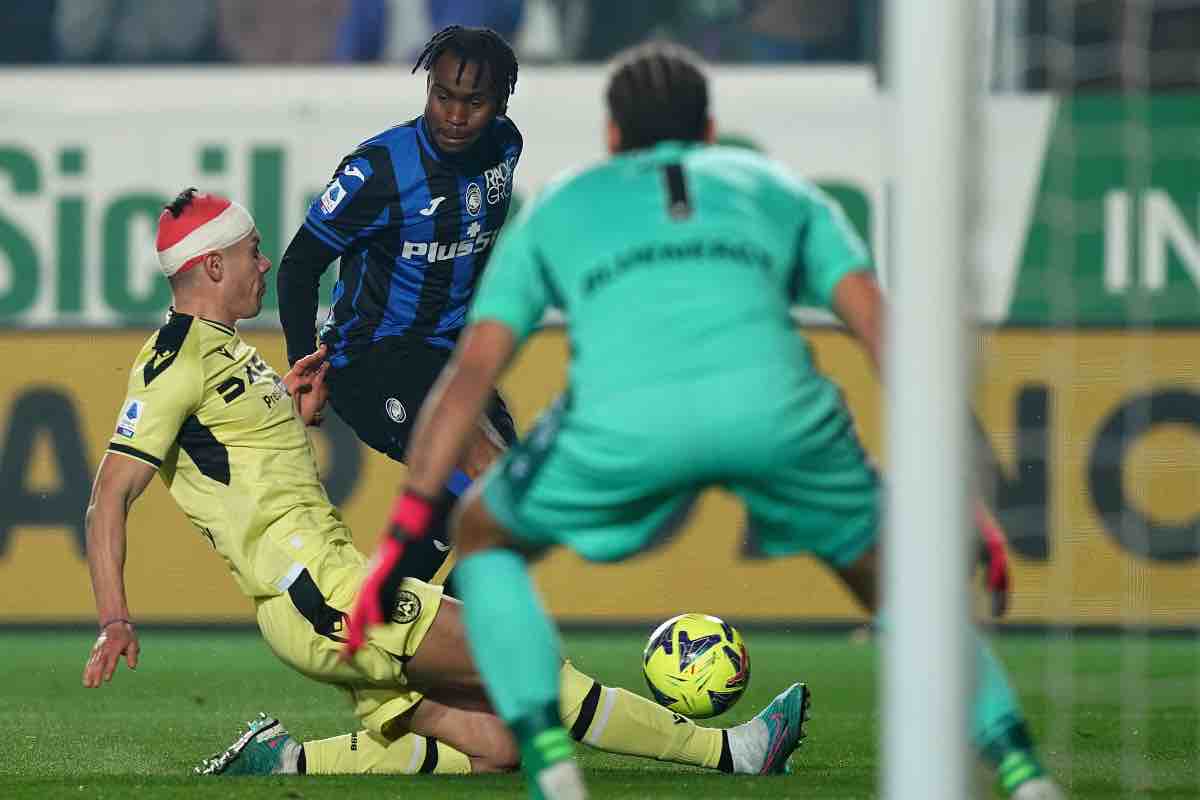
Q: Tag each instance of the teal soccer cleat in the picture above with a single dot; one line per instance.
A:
(784, 719)
(264, 748)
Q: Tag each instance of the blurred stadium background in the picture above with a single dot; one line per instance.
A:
(1085, 272)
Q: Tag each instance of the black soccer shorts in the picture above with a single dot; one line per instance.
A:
(379, 393)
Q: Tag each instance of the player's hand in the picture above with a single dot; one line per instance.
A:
(305, 382)
(409, 520)
(994, 558)
(115, 640)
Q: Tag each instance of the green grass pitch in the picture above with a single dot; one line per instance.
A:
(140, 736)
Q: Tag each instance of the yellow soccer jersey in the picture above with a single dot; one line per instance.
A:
(215, 420)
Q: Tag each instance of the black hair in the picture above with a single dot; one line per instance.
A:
(181, 202)
(482, 46)
(657, 92)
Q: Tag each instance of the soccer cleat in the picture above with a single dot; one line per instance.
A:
(764, 745)
(550, 769)
(1039, 789)
(264, 748)
(561, 781)
(1019, 769)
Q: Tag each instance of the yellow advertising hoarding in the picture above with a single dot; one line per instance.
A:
(1092, 457)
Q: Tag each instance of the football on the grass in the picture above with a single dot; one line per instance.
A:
(696, 665)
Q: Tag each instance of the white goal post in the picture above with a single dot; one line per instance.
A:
(931, 82)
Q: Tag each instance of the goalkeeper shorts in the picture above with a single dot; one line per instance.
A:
(797, 466)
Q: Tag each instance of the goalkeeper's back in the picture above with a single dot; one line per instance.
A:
(673, 264)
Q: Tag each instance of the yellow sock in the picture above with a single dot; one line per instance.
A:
(619, 721)
(364, 753)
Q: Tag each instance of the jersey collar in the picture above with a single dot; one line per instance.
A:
(221, 326)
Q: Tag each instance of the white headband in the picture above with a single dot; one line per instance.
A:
(233, 224)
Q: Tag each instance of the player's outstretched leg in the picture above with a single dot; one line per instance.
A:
(998, 728)
(266, 748)
(367, 753)
(616, 720)
(515, 647)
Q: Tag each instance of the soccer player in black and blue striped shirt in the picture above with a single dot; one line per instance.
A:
(412, 213)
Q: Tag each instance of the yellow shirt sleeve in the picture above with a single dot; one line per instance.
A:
(165, 388)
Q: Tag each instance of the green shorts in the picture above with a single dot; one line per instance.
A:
(798, 467)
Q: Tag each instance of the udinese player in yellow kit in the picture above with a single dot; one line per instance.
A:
(226, 434)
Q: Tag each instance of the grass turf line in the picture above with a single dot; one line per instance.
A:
(142, 734)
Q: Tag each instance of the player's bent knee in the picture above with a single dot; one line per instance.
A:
(473, 528)
(506, 758)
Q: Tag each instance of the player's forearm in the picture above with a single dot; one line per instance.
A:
(105, 523)
(297, 282)
(871, 338)
(859, 303)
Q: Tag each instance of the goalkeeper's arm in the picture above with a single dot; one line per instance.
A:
(858, 301)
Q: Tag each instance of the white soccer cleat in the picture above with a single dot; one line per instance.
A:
(562, 781)
(1039, 789)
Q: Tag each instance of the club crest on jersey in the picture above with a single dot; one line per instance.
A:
(395, 410)
(344, 185)
(474, 199)
(131, 413)
(408, 607)
(499, 180)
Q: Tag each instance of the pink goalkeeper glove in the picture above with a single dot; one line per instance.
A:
(994, 557)
(411, 515)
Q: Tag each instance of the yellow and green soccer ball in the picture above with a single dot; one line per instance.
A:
(696, 665)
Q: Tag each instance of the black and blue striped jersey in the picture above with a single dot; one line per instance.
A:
(413, 227)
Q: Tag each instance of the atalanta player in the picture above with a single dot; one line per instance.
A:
(412, 213)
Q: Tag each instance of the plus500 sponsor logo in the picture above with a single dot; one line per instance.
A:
(433, 252)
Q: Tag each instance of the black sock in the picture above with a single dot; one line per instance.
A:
(726, 762)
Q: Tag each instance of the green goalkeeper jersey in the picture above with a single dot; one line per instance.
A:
(673, 265)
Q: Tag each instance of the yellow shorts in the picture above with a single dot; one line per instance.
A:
(304, 626)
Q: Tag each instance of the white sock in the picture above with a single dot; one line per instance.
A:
(748, 746)
(289, 761)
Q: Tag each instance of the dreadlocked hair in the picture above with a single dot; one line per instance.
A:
(482, 46)
(181, 202)
(657, 92)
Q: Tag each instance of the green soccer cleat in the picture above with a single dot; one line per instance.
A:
(1022, 777)
(264, 748)
(784, 719)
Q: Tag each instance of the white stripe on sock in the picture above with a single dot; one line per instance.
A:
(597, 727)
(418, 756)
(748, 746)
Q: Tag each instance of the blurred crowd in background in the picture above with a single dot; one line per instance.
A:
(1037, 44)
(333, 31)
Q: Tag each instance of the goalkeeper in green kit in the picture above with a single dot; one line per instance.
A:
(676, 263)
